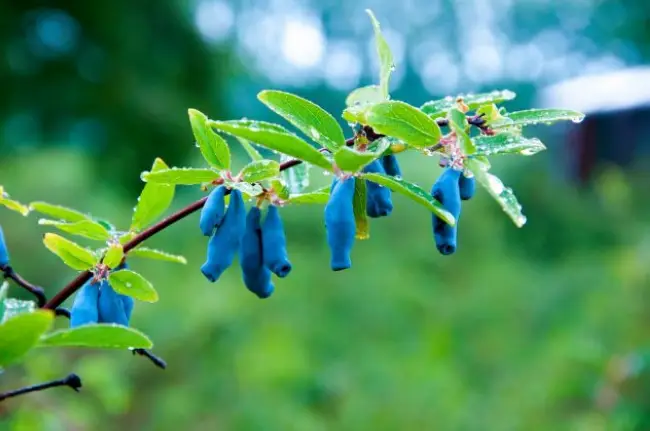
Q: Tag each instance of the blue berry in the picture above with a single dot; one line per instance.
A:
(467, 187)
(446, 191)
(274, 243)
(391, 166)
(4, 254)
(84, 309)
(257, 277)
(340, 224)
(378, 198)
(212, 213)
(225, 243)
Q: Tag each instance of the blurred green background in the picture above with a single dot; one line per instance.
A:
(537, 328)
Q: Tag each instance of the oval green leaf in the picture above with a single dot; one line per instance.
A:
(318, 197)
(20, 333)
(368, 95)
(150, 253)
(404, 122)
(180, 176)
(132, 284)
(71, 253)
(414, 192)
(114, 255)
(270, 137)
(507, 143)
(543, 116)
(260, 170)
(86, 228)
(306, 116)
(58, 212)
(386, 62)
(154, 200)
(439, 108)
(213, 147)
(104, 336)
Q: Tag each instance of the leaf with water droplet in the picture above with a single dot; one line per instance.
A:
(114, 255)
(21, 333)
(213, 147)
(320, 196)
(542, 116)
(259, 170)
(154, 200)
(502, 194)
(386, 62)
(85, 228)
(352, 160)
(101, 335)
(71, 253)
(12, 204)
(404, 122)
(132, 284)
(438, 108)
(306, 116)
(412, 191)
(507, 143)
(180, 176)
(150, 253)
(275, 138)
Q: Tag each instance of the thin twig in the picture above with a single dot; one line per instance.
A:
(38, 292)
(72, 381)
(157, 360)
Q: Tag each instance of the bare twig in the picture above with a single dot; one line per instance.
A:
(38, 292)
(72, 381)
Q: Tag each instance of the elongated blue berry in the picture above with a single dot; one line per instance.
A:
(225, 243)
(467, 187)
(446, 191)
(378, 198)
(257, 277)
(212, 213)
(84, 309)
(111, 306)
(4, 253)
(391, 166)
(274, 243)
(340, 224)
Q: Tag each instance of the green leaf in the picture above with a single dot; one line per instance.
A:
(250, 190)
(132, 284)
(85, 228)
(386, 63)
(507, 143)
(359, 206)
(98, 336)
(154, 200)
(149, 253)
(13, 205)
(368, 95)
(318, 197)
(545, 116)
(306, 116)
(296, 177)
(213, 147)
(280, 188)
(72, 254)
(404, 122)
(58, 212)
(20, 333)
(270, 137)
(351, 160)
(127, 237)
(13, 307)
(412, 191)
(250, 149)
(438, 108)
(113, 256)
(259, 170)
(502, 194)
(180, 176)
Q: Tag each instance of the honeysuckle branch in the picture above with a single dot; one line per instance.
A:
(179, 215)
(11, 274)
(157, 360)
(73, 381)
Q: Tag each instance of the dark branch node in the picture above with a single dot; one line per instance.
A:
(157, 361)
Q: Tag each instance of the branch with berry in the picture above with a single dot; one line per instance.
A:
(463, 132)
